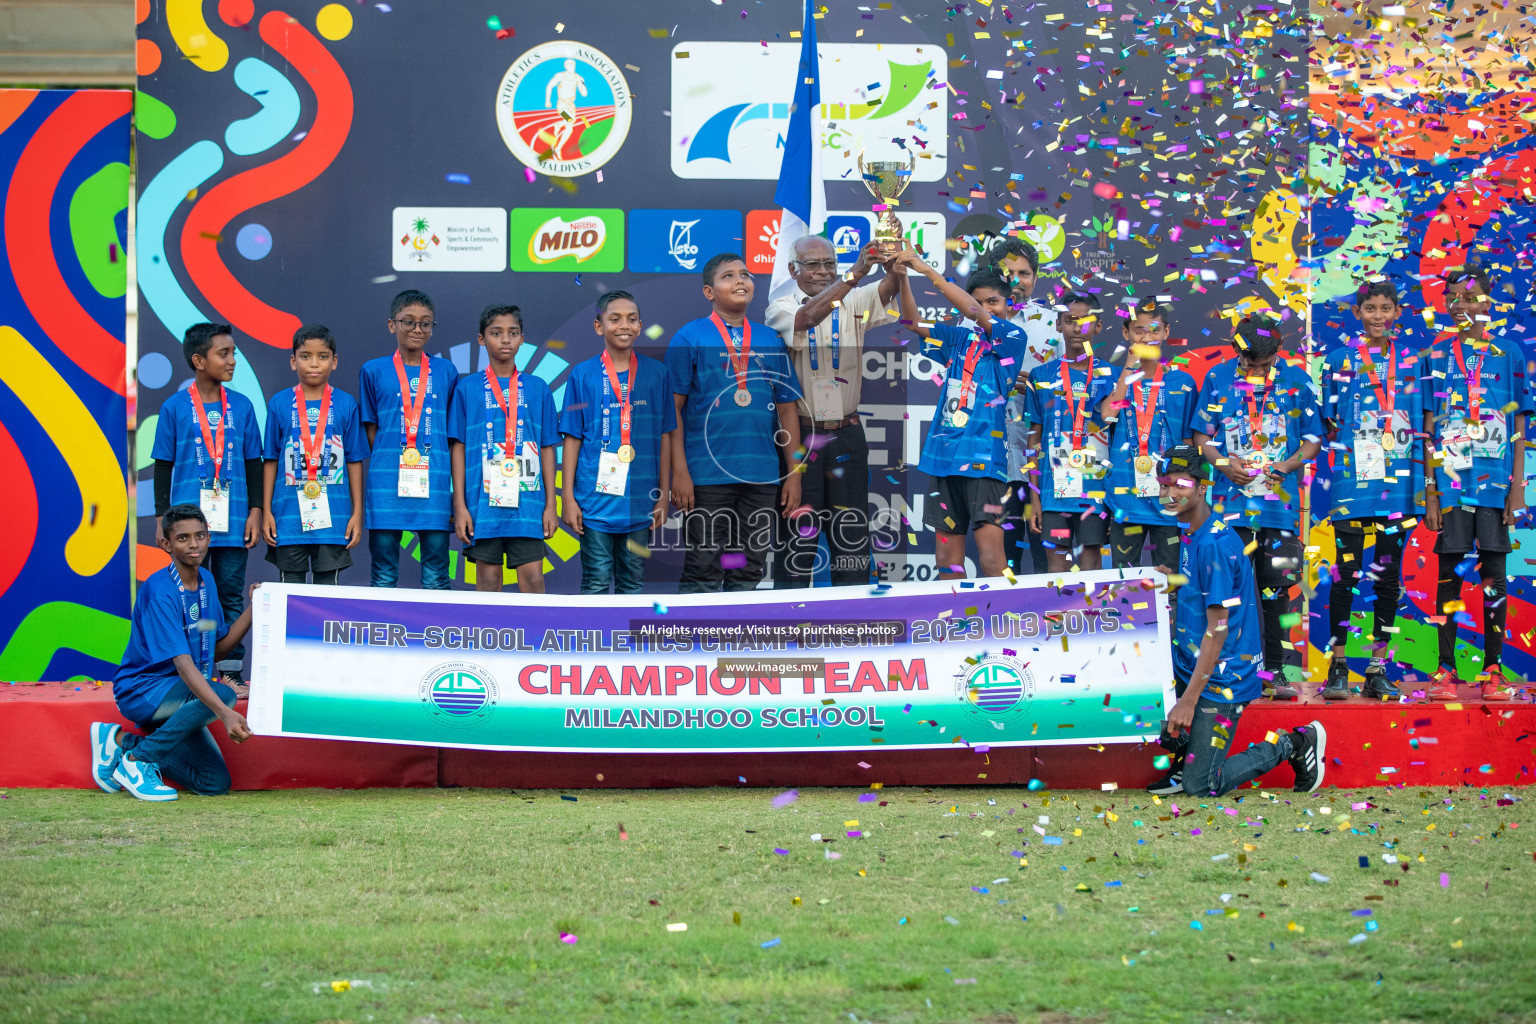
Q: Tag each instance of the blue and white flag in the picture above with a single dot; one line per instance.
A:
(801, 191)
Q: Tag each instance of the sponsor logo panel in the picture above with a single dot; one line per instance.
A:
(449, 238)
(733, 125)
(678, 241)
(547, 239)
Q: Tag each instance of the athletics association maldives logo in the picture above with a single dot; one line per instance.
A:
(564, 108)
(996, 687)
(458, 693)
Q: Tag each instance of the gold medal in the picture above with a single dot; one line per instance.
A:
(743, 397)
(1388, 440)
(1475, 431)
(509, 467)
(960, 418)
(626, 453)
(1076, 459)
(312, 489)
(1144, 464)
(411, 457)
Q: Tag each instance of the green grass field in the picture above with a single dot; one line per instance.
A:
(448, 905)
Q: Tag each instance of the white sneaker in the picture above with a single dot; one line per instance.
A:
(104, 754)
(142, 779)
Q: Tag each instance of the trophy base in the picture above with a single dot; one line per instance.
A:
(891, 246)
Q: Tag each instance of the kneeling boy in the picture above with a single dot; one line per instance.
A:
(165, 683)
(1217, 650)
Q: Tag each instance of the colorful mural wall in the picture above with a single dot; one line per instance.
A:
(1408, 185)
(64, 575)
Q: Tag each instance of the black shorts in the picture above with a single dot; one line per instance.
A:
(509, 551)
(965, 502)
(1461, 525)
(1372, 525)
(309, 557)
(1073, 529)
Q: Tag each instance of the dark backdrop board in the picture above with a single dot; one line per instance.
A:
(304, 163)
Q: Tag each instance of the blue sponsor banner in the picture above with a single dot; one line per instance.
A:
(680, 241)
(849, 233)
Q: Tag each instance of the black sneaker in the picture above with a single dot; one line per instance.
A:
(1337, 686)
(1377, 685)
(1309, 747)
(1174, 783)
(1279, 689)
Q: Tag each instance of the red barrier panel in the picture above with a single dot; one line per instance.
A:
(45, 743)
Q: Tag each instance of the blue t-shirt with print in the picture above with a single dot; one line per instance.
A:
(179, 440)
(1043, 343)
(592, 414)
(475, 420)
(1217, 572)
(1172, 415)
(1504, 370)
(979, 448)
(1289, 416)
(1353, 408)
(726, 443)
(379, 401)
(345, 444)
(1047, 408)
(164, 626)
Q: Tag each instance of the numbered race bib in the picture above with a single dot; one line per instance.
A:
(827, 400)
(612, 475)
(214, 501)
(952, 395)
(1260, 458)
(1374, 450)
(315, 513)
(414, 480)
(1495, 435)
(332, 464)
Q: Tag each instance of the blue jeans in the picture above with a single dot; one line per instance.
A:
(179, 742)
(384, 558)
(1210, 769)
(228, 568)
(606, 559)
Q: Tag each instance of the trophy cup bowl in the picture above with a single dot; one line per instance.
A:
(886, 181)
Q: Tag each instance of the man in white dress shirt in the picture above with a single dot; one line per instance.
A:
(823, 321)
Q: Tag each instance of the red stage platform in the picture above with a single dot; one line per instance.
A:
(45, 742)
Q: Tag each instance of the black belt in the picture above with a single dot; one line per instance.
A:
(851, 420)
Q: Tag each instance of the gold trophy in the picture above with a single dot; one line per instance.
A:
(886, 181)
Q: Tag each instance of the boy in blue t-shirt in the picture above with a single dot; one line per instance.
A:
(1216, 650)
(404, 399)
(1067, 443)
(618, 422)
(965, 450)
(1373, 407)
(502, 431)
(1019, 264)
(1478, 395)
(1150, 408)
(165, 684)
(315, 512)
(735, 393)
(1257, 420)
(207, 453)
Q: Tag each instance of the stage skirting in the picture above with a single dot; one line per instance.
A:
(45, 743)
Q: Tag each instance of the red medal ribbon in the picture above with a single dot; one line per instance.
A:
(1385, 400)
(410, 409)
(313, 444)
(508, 405)
(967, 374)
(1146, 405)
(622, 393)
(1474, 382)
(1256, 407)
(738, 362)
(1078, 409)
(215, 447)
